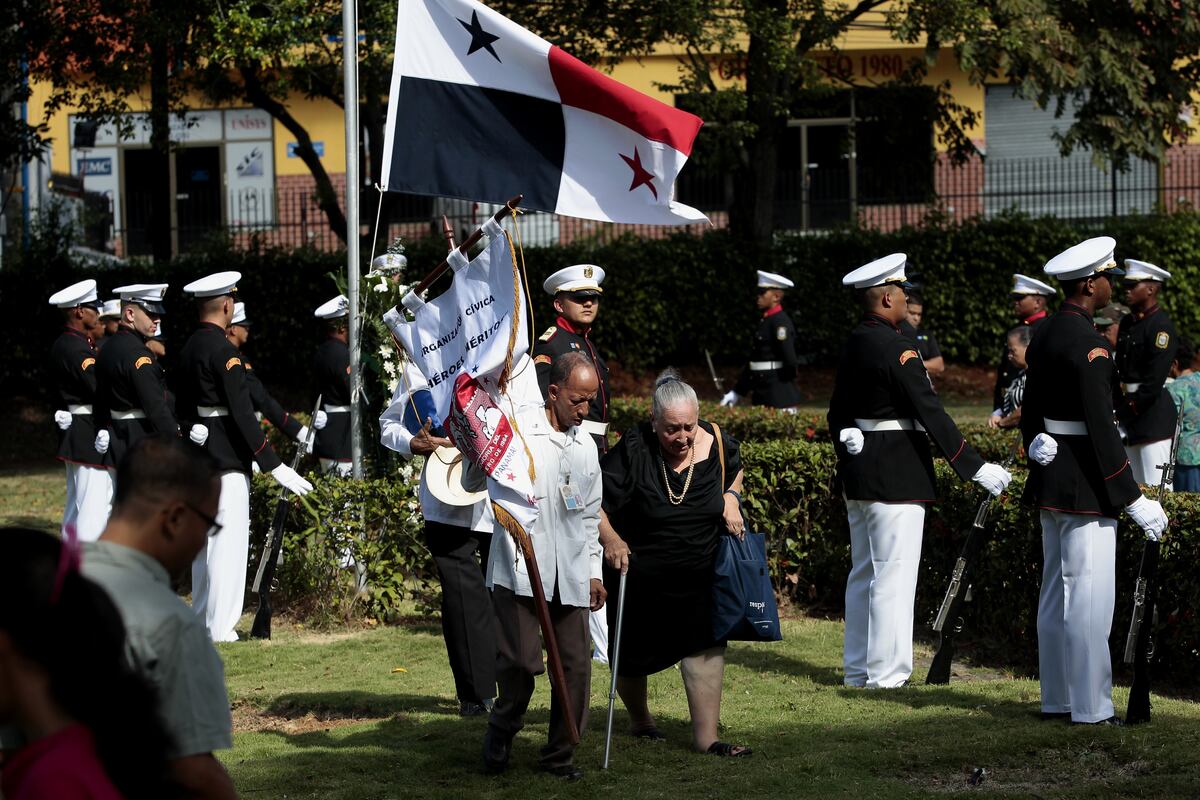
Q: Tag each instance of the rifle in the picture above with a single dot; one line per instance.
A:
(272, 553)
(1139, 643)
(958, 593)
(558, 678)
(720, 384)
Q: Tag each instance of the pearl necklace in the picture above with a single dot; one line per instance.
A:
(687, 482)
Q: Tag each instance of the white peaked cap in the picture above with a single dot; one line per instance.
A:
(332, 309)
(390, 261)
(77, 294)
(239, 314)
(1091, 257)
(112, 308)
(215, 285)
(889, 269)
(771, 280)
(1144, 271)
(1023, 284)
(579, 278)
(148, 295)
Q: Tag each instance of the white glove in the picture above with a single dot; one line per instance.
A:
(63, 419)
(1043, 449)
(101, 443)
(302, 438)
(853, 439)
(1149, 516)
(320, 420)
(992, 477)
(255, 468)
(198, 434)
(289, 480)
(730, 398)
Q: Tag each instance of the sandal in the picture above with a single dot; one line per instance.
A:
(725, 749)
(651, 734)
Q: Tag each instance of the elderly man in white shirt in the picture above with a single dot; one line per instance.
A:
(454, 532)
(567, 545)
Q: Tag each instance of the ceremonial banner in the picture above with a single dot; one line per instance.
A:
(481, 108)
(465, 342)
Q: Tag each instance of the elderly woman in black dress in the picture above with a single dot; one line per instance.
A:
(667, 500)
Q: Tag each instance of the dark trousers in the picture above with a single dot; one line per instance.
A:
(468, 622)
(520, 641)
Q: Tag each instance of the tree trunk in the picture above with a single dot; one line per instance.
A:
(162, 201)
(752, 216)
(327, 198)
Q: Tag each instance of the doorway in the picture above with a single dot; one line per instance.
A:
(815, 184)
(197, 189)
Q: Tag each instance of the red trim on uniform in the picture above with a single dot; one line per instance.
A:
(566, 326)
(961, 447)
(1072, 308)
(80, 463)
(1139, 316)
(262, 447)
(887, 322)
(1032, 318)
(775, 309)
(286, 417)
(1072, 511)
(1118, 472)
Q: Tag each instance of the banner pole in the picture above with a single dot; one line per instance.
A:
(350, 85)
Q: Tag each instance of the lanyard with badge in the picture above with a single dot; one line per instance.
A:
(572, 498)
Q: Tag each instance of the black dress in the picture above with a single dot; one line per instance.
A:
(668, 605)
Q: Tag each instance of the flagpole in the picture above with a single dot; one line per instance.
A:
(350, 85)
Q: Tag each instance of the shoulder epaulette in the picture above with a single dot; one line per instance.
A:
(549, 334)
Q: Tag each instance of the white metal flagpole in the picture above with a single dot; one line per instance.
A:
(350, 83)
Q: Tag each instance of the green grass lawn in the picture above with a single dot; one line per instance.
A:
(372, 714)
(33, 496)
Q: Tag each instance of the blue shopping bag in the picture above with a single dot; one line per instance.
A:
(743, 599)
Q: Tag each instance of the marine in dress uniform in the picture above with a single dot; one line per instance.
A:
(927, 344)
(265, 406)
(1029, 299)
(215, 407)
(131, 394)
(576, 291)
(883, 413)
(1079, 479)
(73, 371)
(110, 319)
(1146, 345)
(770, 377)
(331, 371)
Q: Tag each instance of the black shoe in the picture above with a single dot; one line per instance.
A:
(1116, 722)
(497, 745)
(567, 772)
(1056, 716)
(469, 708)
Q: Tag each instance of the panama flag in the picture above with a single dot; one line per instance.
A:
(482, 109)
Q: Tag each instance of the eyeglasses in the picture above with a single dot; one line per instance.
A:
(214, 527)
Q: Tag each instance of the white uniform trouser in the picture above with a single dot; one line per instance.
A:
(331, 466)
(885, 554)
(1075, 614)
(1146, 460)
(219, 570)
(598, 625)
(89, 500)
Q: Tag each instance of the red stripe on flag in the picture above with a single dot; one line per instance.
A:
(582, 87)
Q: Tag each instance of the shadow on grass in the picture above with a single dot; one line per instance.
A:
(764, 658)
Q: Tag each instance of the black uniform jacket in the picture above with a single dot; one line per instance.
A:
(1006, 373)
(561, 338)
(211, 374)
(331, 373)
(881, 376)
(128, 378)
(1069, 379)
(1146, 345)
(73, 370)
(268, 406)
(774, 340)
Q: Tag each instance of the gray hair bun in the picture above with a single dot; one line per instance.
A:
(671, 390)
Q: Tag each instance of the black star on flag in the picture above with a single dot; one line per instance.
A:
(480, 39)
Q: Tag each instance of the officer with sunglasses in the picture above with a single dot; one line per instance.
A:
(770, 376)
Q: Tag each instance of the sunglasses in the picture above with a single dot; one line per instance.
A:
(214, 527)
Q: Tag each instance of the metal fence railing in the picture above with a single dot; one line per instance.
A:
(1071, 188)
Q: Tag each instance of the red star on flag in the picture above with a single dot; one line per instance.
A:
(641, 176)
(511, 477)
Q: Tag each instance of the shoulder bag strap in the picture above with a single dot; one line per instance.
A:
(720, 451)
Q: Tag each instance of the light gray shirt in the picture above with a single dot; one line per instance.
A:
(168, 644)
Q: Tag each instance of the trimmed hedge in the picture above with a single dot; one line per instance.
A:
(789, 496)
(666, 300)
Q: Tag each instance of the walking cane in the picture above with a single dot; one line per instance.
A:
(616, 659)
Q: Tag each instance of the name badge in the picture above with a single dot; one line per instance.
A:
(572, 499)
